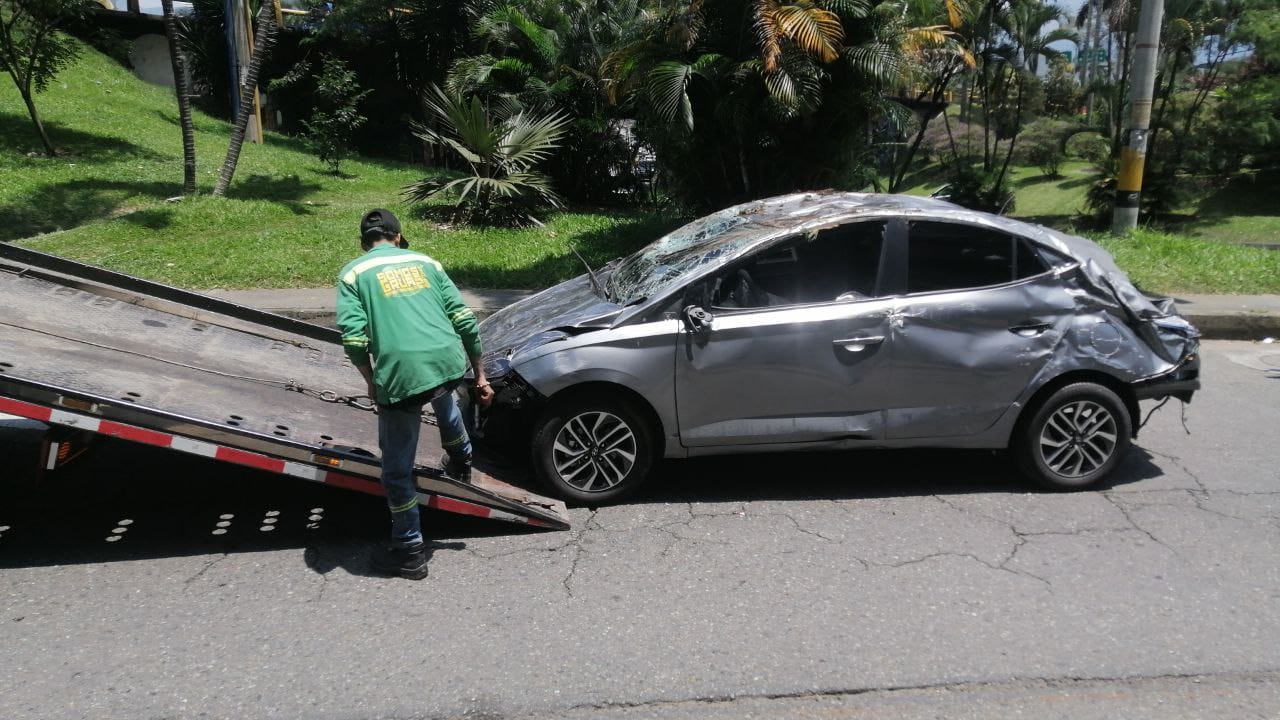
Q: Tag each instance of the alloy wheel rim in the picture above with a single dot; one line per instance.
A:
(594, 451)
(1078, 438)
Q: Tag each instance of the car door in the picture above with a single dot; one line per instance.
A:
(978, 318)
(793, 353)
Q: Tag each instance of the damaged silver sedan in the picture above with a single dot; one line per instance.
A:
(830, 321)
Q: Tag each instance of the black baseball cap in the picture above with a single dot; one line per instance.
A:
(384, 223)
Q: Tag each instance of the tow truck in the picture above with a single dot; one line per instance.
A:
(93, 352)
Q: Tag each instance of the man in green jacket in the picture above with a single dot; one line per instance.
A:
(407, 330)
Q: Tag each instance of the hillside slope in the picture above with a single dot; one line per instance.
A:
(287, 221)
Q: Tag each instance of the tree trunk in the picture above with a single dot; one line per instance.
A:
(1017, 128)
(1156, 127)
(35, 118)
(1091, 74)
(261, 47)
(951, 139)
(183, 90)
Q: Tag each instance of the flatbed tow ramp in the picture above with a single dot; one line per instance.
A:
(91, 351)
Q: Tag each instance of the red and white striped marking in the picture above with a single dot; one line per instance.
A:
(246, 458)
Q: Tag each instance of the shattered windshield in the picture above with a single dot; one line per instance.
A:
(656, 267)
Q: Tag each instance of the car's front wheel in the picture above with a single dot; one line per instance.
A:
(1075, 438)
(592, 449)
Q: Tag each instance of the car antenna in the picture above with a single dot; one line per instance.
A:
(595, 281)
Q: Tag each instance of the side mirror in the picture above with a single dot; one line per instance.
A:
(696, 319)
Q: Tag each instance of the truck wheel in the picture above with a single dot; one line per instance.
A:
(592, 450)
(1075, 438)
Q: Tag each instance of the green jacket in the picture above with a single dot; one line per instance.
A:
(399, 307)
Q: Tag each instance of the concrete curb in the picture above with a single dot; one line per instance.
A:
(1232, 317)
(1236, 327)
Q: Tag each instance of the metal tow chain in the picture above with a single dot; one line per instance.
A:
(359, 402)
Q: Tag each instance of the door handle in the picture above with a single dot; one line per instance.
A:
(1030, 328)
(858, 344)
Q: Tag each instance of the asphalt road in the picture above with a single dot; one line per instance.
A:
(876, 584)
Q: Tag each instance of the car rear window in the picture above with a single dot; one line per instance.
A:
(953, 256)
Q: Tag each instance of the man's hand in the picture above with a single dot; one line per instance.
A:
(366, 372)
(483, 392)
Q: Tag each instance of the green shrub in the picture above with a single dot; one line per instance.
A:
(1047, 157)
(969, 186)
(1088, 146)
(335, 114)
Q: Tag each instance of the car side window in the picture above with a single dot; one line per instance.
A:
(836, 264)
(954, 256)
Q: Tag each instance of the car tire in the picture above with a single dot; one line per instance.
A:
(1075, 438)
(592, 449)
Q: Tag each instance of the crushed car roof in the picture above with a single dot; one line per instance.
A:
(816, 209)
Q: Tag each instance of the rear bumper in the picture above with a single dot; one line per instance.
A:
(1180, 381)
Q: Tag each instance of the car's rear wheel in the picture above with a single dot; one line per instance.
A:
(1075, 438)
(591, 449)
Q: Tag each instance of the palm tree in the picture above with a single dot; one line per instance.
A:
(181, 86)
(543, 56)
(743, 100)
(502, 184)
(815, 30)
(1025, 25)
(939, 51)
(262, 43)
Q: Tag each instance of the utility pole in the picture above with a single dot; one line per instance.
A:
(1133, 154)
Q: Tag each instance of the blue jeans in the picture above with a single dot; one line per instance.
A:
(398, 429)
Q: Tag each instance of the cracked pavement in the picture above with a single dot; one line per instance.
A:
(895, 584)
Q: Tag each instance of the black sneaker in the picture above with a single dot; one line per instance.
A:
(459, 470)
(407, 562)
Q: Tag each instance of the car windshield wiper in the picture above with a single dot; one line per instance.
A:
(609, 291)
(595, 281)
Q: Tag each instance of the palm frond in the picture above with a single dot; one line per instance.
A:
(508, 25)
(512, 66)
(817, 31)
(536, 183)
(529, 140)
(1059, 35)
(468, 73)
(429, 187)
(505, 106)
(917, 39)
(468, 122)
(848, 8)
(876, 61)
(782, 88)
(668, 91)
(770, 34)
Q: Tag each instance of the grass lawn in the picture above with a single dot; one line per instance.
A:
(1245, 209)
(287, 221)
(1168, 263)
(1056, 202)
